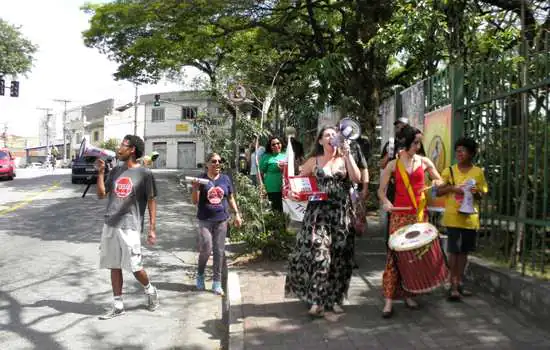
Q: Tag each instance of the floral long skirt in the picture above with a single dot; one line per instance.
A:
(391, 280)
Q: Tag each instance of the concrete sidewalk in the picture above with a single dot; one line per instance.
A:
(261, 318)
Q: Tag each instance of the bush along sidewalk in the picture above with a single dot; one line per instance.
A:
(263, 231)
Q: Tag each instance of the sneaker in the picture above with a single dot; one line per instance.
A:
(153, 300)
(114, 312)
(217, 288)
(200, 282)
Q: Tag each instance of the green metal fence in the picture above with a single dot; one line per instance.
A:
(506, 109)
(504, 105)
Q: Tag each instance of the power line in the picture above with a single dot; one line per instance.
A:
(64, 127)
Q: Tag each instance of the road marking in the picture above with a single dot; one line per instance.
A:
(28, 199)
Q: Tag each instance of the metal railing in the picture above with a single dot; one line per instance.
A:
(506, 109)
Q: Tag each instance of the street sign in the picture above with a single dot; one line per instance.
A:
(238, 94)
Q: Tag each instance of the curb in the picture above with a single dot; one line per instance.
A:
(235, 317)
(527, 294)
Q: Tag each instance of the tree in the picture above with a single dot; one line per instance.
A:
(17, 51)
(110, 144)
(321, 47)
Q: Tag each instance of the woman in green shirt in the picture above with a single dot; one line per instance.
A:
(271, 166)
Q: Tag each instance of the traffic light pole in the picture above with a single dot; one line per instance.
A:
(136, 111)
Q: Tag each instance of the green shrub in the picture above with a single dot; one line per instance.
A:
(263, 230)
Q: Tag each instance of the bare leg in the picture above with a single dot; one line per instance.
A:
(142, 277)
(116, 282)
(454, 264)
(388, 305)
(462, 266)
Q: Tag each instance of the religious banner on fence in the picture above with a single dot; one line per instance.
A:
(437, 143)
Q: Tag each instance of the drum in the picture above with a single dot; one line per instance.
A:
(419, 257)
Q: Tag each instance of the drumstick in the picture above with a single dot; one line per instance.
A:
(401, 208)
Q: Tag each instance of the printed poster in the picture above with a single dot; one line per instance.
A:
(437, 143)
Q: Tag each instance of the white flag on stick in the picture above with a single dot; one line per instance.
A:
(294, 209)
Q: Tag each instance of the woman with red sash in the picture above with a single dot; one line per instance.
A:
(409, 205)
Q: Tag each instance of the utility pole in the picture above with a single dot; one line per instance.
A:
(136, 110)
(5, 135)
(64, 128)
(47, 127)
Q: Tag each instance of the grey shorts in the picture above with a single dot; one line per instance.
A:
(120, 249)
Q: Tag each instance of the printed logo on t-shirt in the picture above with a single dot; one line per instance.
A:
(123, 187)
(215, 195)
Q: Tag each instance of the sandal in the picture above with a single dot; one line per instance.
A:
(454, 296)
(316, 311)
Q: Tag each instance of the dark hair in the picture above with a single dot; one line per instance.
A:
(268, 144)
(467, 143)
(407, 136)
(137, 143)
(364, 145)
(297, 147)
(211, 155)
(317, 149)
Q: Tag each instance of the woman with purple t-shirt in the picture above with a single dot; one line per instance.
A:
(213, 200)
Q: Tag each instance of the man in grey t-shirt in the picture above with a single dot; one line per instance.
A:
(130, 189)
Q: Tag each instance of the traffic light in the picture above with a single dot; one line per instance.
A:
(157, 101)
(14, 89)
(2, 87)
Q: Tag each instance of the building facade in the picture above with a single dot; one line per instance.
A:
(170, 128)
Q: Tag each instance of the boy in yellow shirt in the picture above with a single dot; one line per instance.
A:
(461, 228)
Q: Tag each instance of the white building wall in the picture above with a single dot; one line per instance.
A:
(173, 130)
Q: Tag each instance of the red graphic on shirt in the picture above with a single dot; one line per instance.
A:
(123, 187)
(215, 195)
(459, 197)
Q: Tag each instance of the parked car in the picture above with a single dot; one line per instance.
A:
(7, 164)
(83, 170)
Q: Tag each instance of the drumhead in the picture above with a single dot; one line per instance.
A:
(412, 236)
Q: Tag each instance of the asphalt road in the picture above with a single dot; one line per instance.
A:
(52, 291)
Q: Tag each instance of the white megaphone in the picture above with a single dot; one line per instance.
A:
(348, 129)
(467, 206)
(87, 150)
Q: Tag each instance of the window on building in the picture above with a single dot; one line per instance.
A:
(188, 113)
(96, 135)
(157, 115)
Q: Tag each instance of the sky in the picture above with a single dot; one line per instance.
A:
(64, 68)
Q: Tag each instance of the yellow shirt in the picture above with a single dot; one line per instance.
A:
(451, 217)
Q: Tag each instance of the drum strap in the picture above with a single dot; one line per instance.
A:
(419, 208)
(452, 175)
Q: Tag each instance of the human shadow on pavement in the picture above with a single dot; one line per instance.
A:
(176, 287)
(65, 307)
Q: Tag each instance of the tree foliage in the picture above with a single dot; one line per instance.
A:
(16, 51)
(339, 52)
(110, 144)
